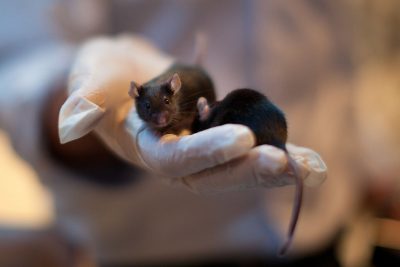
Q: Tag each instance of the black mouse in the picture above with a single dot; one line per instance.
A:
(268, 123)
(167, 103)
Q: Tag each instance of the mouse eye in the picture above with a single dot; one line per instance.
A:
(147, 105)
(166, 101)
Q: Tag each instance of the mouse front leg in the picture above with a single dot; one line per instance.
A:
(203, 108)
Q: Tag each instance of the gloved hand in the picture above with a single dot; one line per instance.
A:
(218, 159)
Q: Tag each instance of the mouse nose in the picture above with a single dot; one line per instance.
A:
(161, 119)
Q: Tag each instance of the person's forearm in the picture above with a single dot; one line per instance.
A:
(47, 247)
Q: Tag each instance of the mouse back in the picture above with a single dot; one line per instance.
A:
(252, 109)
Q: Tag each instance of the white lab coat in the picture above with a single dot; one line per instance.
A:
(148, 220)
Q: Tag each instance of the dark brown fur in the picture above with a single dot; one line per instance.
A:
(181, 107)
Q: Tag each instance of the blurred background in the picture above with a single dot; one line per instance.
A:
(333, 66)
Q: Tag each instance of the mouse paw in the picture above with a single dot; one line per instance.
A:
(203, 108)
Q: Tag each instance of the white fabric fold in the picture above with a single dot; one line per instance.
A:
(78, 116)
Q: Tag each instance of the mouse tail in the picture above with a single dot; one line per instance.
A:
(296, 206)
(200, 48)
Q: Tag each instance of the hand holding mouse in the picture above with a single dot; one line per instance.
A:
(218, 159)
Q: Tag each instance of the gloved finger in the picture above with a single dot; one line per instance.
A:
(175, 156)
(313, 161)
(263, 166)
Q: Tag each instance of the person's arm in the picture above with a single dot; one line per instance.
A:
(48, 247)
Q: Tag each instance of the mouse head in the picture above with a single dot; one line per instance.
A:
(157, 103)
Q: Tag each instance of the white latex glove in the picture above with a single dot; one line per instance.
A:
(218, 159)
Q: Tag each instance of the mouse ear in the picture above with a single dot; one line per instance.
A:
(134, 90)
(203, 108)
(175, 83)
